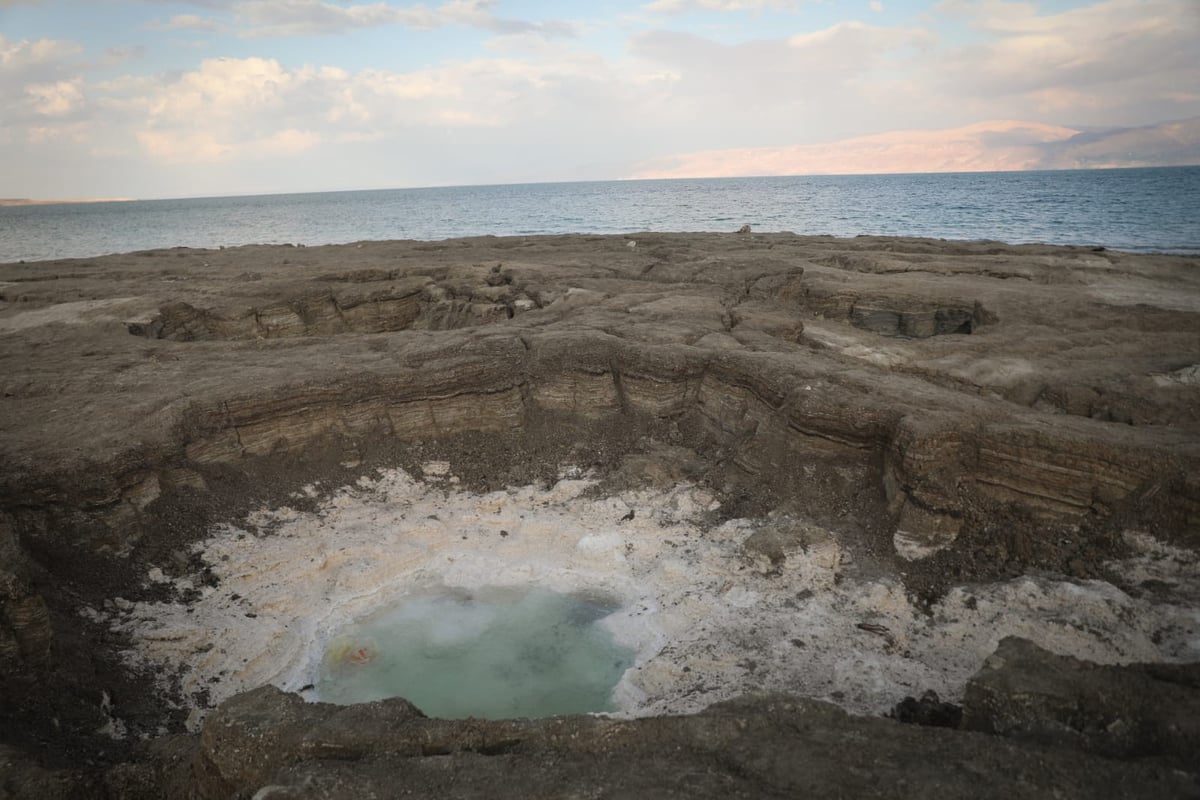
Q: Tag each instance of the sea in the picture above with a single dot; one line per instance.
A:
(1140, 210)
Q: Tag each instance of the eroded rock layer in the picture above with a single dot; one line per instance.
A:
(950, 412)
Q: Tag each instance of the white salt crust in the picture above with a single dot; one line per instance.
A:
(707, 622)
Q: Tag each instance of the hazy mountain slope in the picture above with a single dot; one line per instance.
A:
(998, 145)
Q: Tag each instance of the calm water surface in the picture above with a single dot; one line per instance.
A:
(1155, 209)
(498, 654)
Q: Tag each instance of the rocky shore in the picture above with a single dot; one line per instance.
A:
(911, 426)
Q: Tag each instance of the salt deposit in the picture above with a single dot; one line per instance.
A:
(706, 618)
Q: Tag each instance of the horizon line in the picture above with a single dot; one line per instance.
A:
(18, 202)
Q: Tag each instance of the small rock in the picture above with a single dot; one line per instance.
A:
(929, 711)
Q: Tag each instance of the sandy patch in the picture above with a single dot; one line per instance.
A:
(74, 313)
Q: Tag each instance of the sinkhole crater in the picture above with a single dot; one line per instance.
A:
(795, 490)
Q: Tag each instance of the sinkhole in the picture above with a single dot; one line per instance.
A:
(551, 599)
(493, 653)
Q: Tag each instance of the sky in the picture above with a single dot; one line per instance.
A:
(166, 98)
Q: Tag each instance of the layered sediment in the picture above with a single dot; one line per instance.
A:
(944, 414)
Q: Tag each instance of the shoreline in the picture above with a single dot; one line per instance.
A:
(17, 202)
(1030, 247)
(1126, 211)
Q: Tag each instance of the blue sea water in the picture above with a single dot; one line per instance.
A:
(1151, 209)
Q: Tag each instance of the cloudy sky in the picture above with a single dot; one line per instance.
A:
(167, 98)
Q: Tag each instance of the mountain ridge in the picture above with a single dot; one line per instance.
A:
(988, 146)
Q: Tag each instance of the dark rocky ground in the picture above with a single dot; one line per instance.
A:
(1003, 409)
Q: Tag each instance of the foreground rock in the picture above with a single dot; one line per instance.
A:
(269, 744)
(946, 412)
(1026, 693)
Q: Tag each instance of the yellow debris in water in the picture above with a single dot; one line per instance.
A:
(350, 650)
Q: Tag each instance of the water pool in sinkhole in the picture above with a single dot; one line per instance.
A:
(697, 614)
(494, 653)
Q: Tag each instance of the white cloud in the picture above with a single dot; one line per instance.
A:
(247, 105)
(223, 88)
(56, 99)
(678, 6)
(187, 22)
(1110, 61)
(116, 56)
(820, 84)
(286, 18)
(73, 134)
(1088, 45)
(857, 39)
(40, 84)
(480, 14)
(532, 106)
(314, 17)
(26, 55)
(190, 147)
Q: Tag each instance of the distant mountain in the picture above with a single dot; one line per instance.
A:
(995, 146)
(1167, 144)
(25, 201)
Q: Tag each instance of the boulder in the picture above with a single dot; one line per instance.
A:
(1028, 693)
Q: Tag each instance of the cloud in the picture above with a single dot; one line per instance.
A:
(229, 108)
(679, 6)
(74, 134)
(1112, 62)
(224, 110)
(290, 18)
(186, 22)
(314, 17)
(39, 81)
(25, 55)
(46, 59)
(204, 146)
(856, 39)
(250, 111)
(532, 104)
(1112, 42)
(826, 83)
(116, 56)
(222, 88)
(489, 119)
(56, 99)
(777, 71)
(479, 14)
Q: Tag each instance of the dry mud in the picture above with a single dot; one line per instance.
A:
(832, 469)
